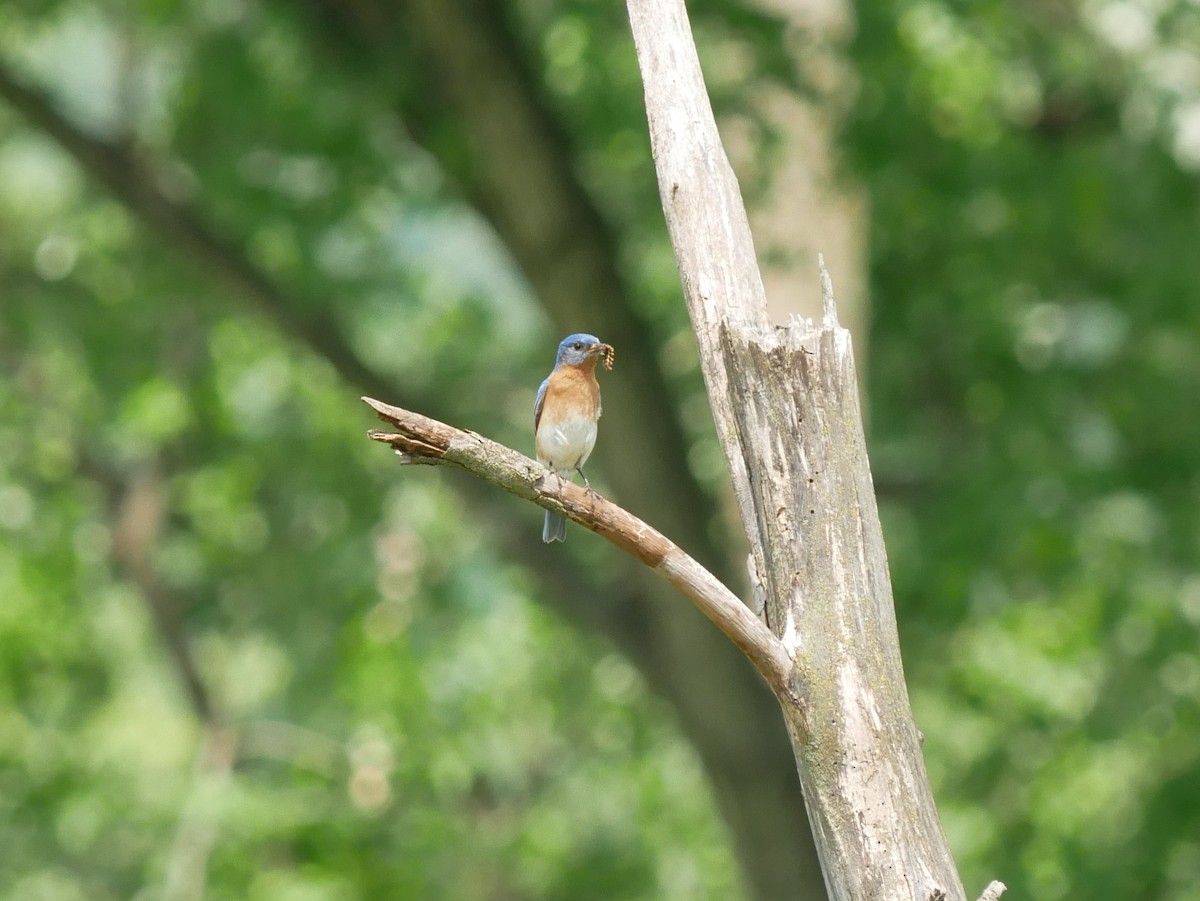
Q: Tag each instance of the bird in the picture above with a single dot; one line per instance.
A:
(565, 416)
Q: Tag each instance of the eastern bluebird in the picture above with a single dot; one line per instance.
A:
(565, 416)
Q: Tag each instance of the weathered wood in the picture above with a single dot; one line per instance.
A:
(786, 406)
(705, 214)
(420, 439)
(795, 410)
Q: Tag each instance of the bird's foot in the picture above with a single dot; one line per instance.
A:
(586, 484)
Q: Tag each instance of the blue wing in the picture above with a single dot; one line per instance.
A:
(537, 404)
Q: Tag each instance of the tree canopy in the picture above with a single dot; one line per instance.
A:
(237, 640)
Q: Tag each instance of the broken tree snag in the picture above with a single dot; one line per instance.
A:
(794, 398)
(786, 406)
(419, 439)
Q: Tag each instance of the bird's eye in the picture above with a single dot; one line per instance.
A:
(577, 345)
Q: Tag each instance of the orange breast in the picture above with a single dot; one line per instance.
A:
(572, 391)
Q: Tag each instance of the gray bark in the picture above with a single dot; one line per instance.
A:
(787, 410)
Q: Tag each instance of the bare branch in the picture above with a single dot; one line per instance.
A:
(993, 892)
(425, 439)
(523, 176)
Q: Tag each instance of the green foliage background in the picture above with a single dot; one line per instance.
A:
(415, 725)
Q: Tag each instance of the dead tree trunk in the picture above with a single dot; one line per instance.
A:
(787, 411)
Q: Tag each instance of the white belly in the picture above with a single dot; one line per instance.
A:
(566, 445)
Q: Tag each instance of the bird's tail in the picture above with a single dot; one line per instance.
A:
(554, 528)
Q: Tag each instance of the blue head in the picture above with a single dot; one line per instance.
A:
(578, 348)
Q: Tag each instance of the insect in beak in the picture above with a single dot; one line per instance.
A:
(608, 353)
